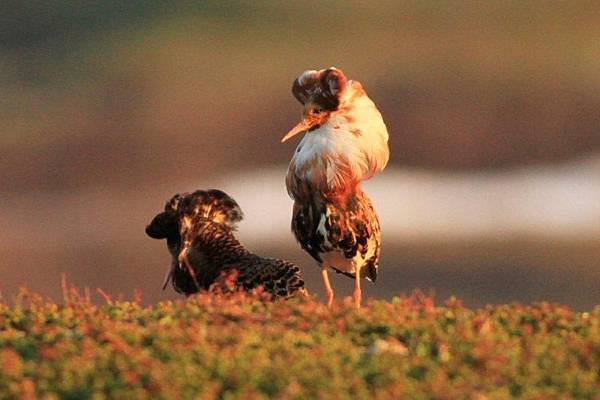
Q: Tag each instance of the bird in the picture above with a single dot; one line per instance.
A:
(199, 228)
(345, 142)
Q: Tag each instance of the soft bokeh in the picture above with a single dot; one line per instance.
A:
(493, 188)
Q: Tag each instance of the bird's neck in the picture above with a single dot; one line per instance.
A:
(334, 159)
(351, 146)
(341, 198)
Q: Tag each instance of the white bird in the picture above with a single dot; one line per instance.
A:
(345, 142)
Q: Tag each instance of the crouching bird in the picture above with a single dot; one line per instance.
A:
(344, 143)
(204, 251)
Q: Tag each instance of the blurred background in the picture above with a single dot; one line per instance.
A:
(492, 193)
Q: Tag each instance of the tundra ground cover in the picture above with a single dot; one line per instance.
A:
(240, 346)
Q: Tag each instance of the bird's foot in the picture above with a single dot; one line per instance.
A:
(329, 297)
(357, 295)
(327, 286)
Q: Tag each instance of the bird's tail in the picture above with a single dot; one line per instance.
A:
(216, 206)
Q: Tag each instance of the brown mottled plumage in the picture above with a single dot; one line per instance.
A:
(345, 142)
(348, 226)
(205, 251)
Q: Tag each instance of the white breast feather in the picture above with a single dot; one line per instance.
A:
(338, 155)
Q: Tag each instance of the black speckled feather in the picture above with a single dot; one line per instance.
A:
(215, 251)
(350, 227)
(204, 222)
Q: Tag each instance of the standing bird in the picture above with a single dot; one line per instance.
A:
(199, 230)
(345, 142)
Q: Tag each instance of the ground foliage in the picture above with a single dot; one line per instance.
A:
(240, 346)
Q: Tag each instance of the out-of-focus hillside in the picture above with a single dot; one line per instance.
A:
(238, 347)
(108, 108)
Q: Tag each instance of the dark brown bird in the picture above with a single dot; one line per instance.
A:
(199, 231)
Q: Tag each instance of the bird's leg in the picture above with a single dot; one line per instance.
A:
(357, 294)
(327, 285)
(183, 261)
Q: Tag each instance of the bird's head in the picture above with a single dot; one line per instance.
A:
(165, 225)
(346, 138)
(320, 92)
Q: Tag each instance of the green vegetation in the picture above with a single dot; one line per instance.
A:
(242, 347)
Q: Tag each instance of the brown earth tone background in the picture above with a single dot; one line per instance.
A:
(107, 109)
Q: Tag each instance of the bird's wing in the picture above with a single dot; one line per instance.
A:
(351, 229)
(279, 277)
(305, 221)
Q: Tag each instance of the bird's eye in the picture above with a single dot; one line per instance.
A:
(316, 110)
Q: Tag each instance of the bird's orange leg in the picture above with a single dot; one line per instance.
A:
(327, 285)
(357, 292)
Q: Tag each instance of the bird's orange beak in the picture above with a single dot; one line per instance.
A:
(309, 122)
(302, 127)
